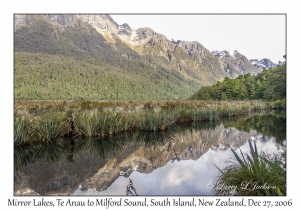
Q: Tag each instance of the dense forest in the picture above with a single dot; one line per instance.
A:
(269, 85)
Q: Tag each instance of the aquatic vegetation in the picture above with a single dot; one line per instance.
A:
(117, 123)
(49, 128)
(165, 120)
(87, 123)
(24, 131)
(147, 121)
(253, 175)
(96, 123)
(99, 118)
(153, 121)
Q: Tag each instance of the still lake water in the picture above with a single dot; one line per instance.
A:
(179, 161)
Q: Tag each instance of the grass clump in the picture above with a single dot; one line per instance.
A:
(24, 131)
(113, 123)
(96, 123)
(147, 121)
(153, 121)
(49, 129)
(99, 118)
(87, 123)
(252, 175)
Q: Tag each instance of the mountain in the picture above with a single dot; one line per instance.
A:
(238, 62)
(93, 57)
(263, 63)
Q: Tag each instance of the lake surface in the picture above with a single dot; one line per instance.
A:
(179, 161)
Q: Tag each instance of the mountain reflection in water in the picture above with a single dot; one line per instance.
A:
(179, 161)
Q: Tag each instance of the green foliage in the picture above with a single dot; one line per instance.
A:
(269, 85)
(270, 125)
(53, 77)
(49, 128)
(279, 104)
(250, 172)
(29, 129)
(100, 118)
(95, 123)
(24, 131)
(87, 123)
(153, 121)
(78, 63)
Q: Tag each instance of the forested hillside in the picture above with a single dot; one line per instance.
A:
(269, 85)
(70, 57)
(78, 63)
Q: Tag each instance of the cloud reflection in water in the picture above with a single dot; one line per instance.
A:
(185, 177)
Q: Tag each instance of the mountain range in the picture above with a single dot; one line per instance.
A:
(92, 57)
(89, 171)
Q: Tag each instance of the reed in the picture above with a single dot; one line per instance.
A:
(147, 121)
(154, 121)
(113, 123)
(251, 172)
(49, 128)
(167, 119)
(116, 123)
(87, 123)
(24, 131)
(96, 123)
(100, 118)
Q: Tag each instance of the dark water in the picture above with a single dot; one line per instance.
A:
(179, 161)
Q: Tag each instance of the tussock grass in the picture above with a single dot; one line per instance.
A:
(96, 123)
(147, 121)
(87, 123)
(49, 129)
(24, 131)
(100, 118)
(253, 174)
(154, 121)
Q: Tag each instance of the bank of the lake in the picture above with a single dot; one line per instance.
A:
(48, 120)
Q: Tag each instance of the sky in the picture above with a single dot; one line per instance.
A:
(255, 36)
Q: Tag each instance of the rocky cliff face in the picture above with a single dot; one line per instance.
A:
(263, 63)
(237, 63)
(148, 42)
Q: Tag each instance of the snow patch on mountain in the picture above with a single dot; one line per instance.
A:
(263, 63)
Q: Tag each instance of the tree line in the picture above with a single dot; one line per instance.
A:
(268, 85)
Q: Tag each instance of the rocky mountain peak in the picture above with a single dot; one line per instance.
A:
(263, 63)
(125, 29)
(62, 19)
(193, 48)
(102, 22)
(238, 61)
(145, 33)
(220, 53)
